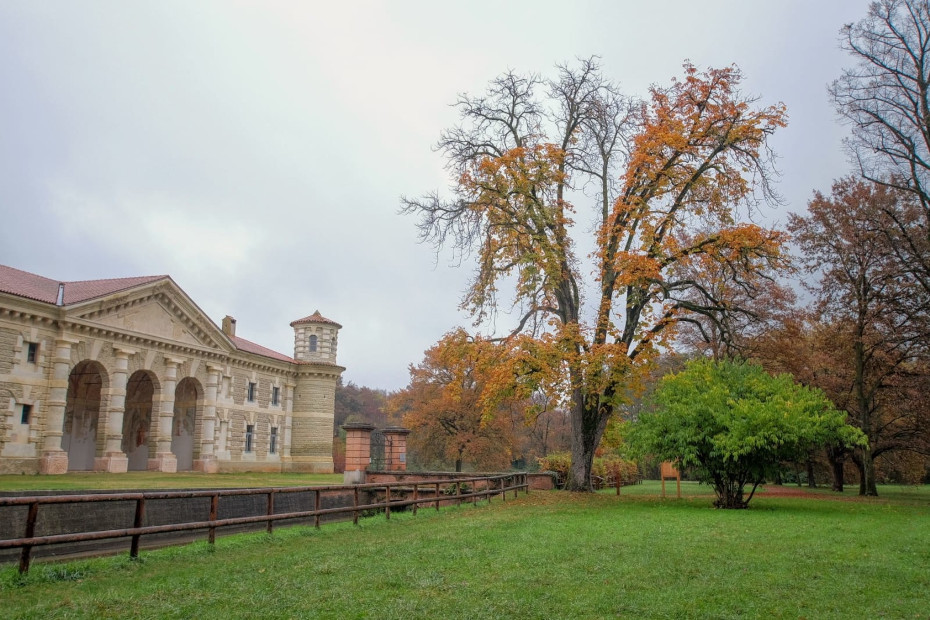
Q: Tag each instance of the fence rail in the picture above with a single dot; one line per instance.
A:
(412, 493)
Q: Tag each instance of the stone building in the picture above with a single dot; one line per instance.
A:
(129, 374)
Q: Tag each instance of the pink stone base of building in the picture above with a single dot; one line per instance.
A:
(307, 465)
(54, 463)
(207, 466)
(167, 463)
(112, 463)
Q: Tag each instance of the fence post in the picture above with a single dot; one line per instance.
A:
(25, 555)
(214, 509)
(355, 505)
(137, 522)
(437, 497)
(270, 526)
(317, 503)
(416, 497)
(387, 501)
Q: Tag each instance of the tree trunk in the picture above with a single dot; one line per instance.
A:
(458, 464)
(811, 481)
(867, 473)
(588, 425)
(837, 457)
(729, 494)
(867, 468)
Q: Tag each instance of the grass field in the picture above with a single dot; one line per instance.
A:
(157, 480)
(545, 555)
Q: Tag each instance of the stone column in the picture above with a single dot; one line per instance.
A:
(164, 458)
(395, 438)
(55, 460)
(114, 460)
(207, 461)
(288, 420)
(358, 452)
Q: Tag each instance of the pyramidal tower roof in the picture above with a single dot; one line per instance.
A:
(316, 317)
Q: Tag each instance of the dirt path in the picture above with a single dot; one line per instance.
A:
(775, 490)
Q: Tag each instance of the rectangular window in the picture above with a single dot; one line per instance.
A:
(32, 352)
(273, 446)
(251, 394)
(27, 413)
(249, 437)
(275, 394)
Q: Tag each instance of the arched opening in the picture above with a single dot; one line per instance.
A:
(137, 420)
(82, 414)
(187, 398)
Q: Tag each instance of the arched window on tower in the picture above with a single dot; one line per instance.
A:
(313, 344)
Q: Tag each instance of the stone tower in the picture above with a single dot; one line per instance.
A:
(315, 344)
(315, 339)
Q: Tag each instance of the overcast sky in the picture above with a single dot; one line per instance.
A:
(256, 151)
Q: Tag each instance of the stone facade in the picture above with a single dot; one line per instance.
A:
(129, 374)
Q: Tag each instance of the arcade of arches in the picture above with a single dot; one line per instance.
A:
(86, 413)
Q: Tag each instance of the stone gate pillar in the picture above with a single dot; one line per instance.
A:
(358, 452)
(395, 443)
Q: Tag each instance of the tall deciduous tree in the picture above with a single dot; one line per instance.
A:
(663, 179)
(876, 339)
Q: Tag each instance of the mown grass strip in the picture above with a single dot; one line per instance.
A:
(157, 480)
(545, 555)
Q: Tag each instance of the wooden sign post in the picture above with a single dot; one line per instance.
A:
(668, 470)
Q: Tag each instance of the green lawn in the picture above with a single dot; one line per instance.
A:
(545, 555)
(157, 480)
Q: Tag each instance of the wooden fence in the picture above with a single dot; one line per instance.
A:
(395, 495)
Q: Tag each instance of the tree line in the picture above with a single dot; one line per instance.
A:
(668, 190)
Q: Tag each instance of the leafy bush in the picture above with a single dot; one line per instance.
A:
(604, 472)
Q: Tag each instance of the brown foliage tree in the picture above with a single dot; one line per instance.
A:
(872, 345)
(355, 403)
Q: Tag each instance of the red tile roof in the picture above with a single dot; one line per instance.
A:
(316, 317)
(39, 288)
(250, 347)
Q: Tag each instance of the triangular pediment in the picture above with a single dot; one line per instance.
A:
(160, 310)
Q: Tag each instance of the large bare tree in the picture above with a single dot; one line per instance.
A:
(885, 96)
(663, 179)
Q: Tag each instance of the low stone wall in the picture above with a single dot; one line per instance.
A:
(544, 481)
(112, 515)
